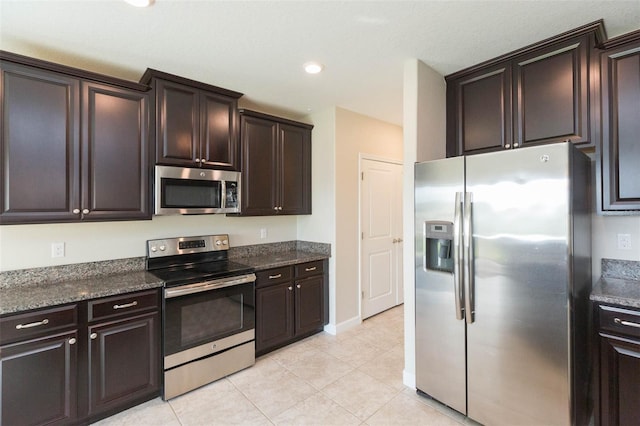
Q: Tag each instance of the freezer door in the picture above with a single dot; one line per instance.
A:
(518, 342)
(440, 336)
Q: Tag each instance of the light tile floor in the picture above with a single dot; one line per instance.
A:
(354, 378)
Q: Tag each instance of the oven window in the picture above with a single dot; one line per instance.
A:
(181, 193)
(200, 318)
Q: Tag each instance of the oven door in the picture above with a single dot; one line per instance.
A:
(198, 323)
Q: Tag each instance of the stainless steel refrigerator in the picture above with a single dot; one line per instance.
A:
(503, 272)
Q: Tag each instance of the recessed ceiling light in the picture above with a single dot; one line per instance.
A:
(313, 67)
(140, 3)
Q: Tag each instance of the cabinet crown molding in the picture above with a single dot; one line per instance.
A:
(150, 74)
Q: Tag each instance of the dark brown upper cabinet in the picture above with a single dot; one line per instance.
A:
(540, 94)
(74, 145)
(618, 173)
(196, 123)
(276, 165)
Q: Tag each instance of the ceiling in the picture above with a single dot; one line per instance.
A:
(258, 47)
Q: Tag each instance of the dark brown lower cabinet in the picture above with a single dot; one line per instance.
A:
(123, 362)
(290, 304)
(80, 363)
(618, 401)
(39, 380)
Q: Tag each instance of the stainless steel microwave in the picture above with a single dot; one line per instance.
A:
(183, 190)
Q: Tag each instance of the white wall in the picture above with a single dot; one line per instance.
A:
(355, 134)
(321, 225)
(29, 246)
(424, 139)
(605, 230)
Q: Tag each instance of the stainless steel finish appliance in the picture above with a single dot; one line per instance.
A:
(182, 190)
(208, 311)
(503, 261)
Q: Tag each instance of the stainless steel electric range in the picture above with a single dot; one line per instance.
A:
(208, 313)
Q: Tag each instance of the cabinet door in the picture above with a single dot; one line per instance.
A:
(259, 191)
(620, 154)
(39, 380)
(479, 111)
(274, 316)
(218, 142)
(123, 361)
(115, 163)
(619, 381)
(177, 124)
(551, 95)
(39, 145)
(309, 304)
(294, 170)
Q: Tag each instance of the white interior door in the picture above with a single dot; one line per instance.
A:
(381, 233)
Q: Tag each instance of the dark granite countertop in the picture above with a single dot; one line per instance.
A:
(619, 284)
(39, 295)
(26, 289)
(275, 260)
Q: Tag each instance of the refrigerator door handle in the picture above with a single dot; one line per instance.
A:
(467, 235)
(457, 257)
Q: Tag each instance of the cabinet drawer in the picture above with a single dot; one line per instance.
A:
(275, 275)
(310, 268)
(36, 323)
(619, 321)
(123, 304)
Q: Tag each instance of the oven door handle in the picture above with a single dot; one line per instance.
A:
(208, 285)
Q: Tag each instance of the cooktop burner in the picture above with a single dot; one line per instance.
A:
(188, 260)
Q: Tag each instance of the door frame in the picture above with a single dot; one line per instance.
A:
(372, 157)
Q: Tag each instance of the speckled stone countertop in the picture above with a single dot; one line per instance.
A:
(619, 284)
(26, 289)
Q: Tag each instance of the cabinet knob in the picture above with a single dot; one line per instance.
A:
(276, 208)
(76, 211)
(203, 160)
(280, 208)
(290, 288)
(298, 285)
(507, 145)
(197, 160)
(85, 211)
(72, 341)
(93, 336)
(515, 145)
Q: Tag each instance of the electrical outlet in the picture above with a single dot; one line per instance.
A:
(624, 241)
(57, 249)
(263, 233)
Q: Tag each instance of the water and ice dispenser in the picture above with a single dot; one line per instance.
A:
(438, 238)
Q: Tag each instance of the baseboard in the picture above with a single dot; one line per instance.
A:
(335, 329)
(409, 379)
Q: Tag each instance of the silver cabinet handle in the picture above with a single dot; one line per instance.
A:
(468, 279)
(457, 256)
(72, 341)
(85, 211)
(627, 323)
(126, 305)
(76, 211)
(310, 269)
(298, 285)
(273, 277)
(32, 324)
(290, 288)
(93, 336)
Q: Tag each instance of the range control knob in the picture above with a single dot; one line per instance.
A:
(218, 242)
(225, 242)
(163, 248)
(154, 249)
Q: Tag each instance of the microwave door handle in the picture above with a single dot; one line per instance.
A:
(223, 196)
